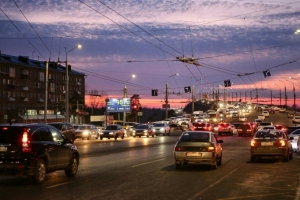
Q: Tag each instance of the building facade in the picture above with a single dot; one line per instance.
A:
(23, 91)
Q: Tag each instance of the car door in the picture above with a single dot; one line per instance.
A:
(63, 149)
(43, 144)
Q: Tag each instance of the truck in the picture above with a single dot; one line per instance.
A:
(101, 121)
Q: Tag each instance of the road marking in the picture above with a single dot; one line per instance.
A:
(254, 196)
(59, 184)
(148, 162)
(212, 185)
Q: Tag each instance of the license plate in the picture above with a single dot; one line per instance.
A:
(194, 154)
(3, 149)
(267, 144)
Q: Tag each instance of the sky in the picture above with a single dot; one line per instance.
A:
(234, 40)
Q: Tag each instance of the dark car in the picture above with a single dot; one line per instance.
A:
(245, 129)
(33, 150)
(175, 126)
(66, 129)
(225, 128)
(202, 127)
(290, 129)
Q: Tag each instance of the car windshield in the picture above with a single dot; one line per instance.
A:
(194, 137)
(158, 125)
(265, 124)
(111, 128)
(58, 126)
(83, 127)
(142, 127)
(268, 135)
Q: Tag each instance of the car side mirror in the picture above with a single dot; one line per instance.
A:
(220, 141)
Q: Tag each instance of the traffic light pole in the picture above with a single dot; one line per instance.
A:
(125, 96)
(167, 100)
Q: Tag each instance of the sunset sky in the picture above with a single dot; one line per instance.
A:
(233, 40)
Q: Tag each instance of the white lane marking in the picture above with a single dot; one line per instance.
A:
(212, 185)
(59, 184)
(148, 162)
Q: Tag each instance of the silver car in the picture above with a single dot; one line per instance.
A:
(86, 131)
(113, 131)
(198, 147)
(161, 128)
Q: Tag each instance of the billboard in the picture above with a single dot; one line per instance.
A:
(118, 105)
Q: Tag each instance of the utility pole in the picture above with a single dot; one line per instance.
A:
(193, 102)
(46, 93)
(167, 101)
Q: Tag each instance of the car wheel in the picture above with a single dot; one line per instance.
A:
(214, 166)
(101, 138)
(122, 137)
(147, 135)
(140, 136)
(73, 168)
(185, 163)
(40, 172)
(253, 159)
(152, 135)
(134, 136)
(220, 161)
(116, 137)
(178, 165)
(291, 155)
(89, 137)
(287, 157)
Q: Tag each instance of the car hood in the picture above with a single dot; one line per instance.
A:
(108, 131)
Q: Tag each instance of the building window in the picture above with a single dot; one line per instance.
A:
(11, 82)
(25, 72)
(12, 72)
(41, 76)
(52, 87)
(4, 81)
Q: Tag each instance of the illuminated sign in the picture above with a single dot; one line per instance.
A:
(118, 105)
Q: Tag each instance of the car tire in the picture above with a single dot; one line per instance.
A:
(152, 135)
(214, 166)
(39, 172)
(89, 137)
(291, 155)
(134, 136)
(73, 168)
(116, 137)
(287, 157)
(73, 139)
(101, 138)
(178, 165)
(147, 135)
(220, 161)
(253, 159)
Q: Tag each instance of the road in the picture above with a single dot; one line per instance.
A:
(143, 168)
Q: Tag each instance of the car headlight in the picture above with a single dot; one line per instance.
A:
(111, 133)
(85, 132)
(215, 119)
(145, 131)
(133, 131)
(162, 129)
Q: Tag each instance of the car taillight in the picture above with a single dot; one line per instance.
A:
(248, 129)
(211, 149)
(239, 129)
(282, 143)
(25, 142)
(253, 143)
(178, 149)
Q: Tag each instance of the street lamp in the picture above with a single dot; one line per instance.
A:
(67, 82)
(294, 94)
(297, 31)
(279, 92)
(125, 95)
(285, 96)
(295, 79)
(166, 102)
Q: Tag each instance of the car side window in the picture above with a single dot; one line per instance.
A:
(42, 134)
(57, 136)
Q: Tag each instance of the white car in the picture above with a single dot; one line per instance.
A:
(296, 120)
(261, 117)
(282, 110)
(296, 141)
(266, 113)
(242, 118)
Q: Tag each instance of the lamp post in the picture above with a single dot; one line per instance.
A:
(67, 83)
(279, 92)
(294, 94)
(271, 94)
(125, 95)
(285, 96)
(166, 102)
(295, 80)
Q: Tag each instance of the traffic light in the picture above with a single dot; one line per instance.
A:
(227, 83)
(134, 107)
(154, 92)
(187, 89)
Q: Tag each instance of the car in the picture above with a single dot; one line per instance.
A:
(245, 129)
(258, 120)
(161, 129)
(143, 130)
(113, 131)
(271, 127)
(291, 114)
(271, 111)
(296, 120)
(235, 115)
(242, 118)
(296, 141)
(261, 117)
(198, 147)
(225, 128)
(87, 131)
(290, 129)
(262, 124)
(128, 126)
(282, 110)
(271, 144)
(202, 127)
(66, 129)
(266, 113)
(33, 150)
(175, 126)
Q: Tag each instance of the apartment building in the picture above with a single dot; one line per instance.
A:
(23, 91)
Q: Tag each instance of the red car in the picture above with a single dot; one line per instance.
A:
(225, 128)
(200, 126)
